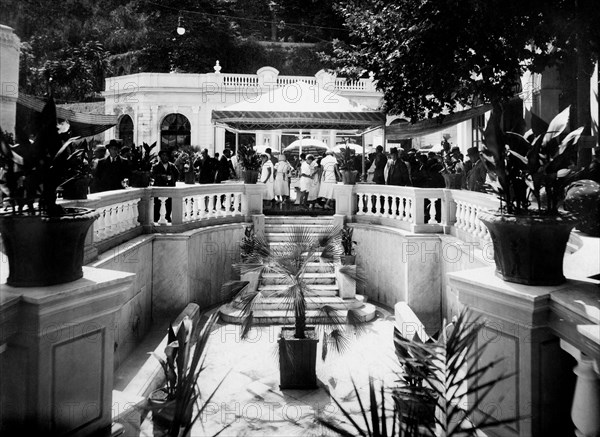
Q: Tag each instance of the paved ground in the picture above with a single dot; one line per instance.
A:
(250, 401)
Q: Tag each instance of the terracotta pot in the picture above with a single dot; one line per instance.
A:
(189, 178)
(297, 359)
(250, 176)
(139, 179)
(43, 250)
(349, 177)
(529, 249)
(163, 408)
(417, 404)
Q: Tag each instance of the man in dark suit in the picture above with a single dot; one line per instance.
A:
(397, 173)
(165, 174)
(112, 170)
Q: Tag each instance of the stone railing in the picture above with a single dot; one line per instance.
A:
(423, 210)
(125, 214)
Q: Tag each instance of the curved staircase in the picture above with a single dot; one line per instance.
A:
(321, 277)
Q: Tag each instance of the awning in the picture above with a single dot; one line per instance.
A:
(269, 120)
(298, 105)
(82, 124)
(425, 127)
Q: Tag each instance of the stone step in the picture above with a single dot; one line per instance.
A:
(317, 289)
(308, 278)
(284, 237)
(230, 314)
(283, 227)
(298, 220)
(312, 303)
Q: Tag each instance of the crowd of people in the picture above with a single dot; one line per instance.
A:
(315, 174)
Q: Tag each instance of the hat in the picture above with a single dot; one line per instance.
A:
(472, 151)
(309, 156)
(455, 149)
(394, 150)
(125, 149)
(329, 152)
(163, 152)
(114, 143)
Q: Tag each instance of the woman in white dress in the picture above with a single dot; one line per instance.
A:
(305, 179)
(282, 176)
(331, 175)
(313, 192)
(266, 177)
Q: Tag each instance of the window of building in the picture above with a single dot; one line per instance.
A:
(125, 130)
(175, 132)
(477, 127)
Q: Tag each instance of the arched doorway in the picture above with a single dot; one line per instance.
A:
(174, 132)
(125, 130)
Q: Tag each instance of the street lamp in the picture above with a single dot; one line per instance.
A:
(180, 28)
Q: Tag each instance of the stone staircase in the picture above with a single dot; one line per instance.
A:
(321, 278)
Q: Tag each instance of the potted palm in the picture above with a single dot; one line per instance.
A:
(172, 405)
(249, 162)
(141, 164)
(444, 372)
(298, 343)
(77, 188)
(529, 231)
(349, 257)
(43, 240)
(346, 165)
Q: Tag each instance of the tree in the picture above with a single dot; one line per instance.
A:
(429, 56)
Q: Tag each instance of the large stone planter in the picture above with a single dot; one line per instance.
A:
(45, 251)
(529, 249)
(297, 359)
(250, 176)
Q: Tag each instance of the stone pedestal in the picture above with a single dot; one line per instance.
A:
(56, 374)
(517, 330)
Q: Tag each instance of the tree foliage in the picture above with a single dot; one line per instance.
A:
(429, 56)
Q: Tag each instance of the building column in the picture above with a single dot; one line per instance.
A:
(57, 369)
(9, 78)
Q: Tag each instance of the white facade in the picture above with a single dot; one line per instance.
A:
(149, 97)
(9, 77)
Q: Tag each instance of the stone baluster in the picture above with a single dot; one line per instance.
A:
(585, 411)
(401, 208)
(121, 217)
(196, 208)
(378, 206)
(369, 204)
(135, 213)
(211, 206)
(386, 206)
(473, 220)
(361, 204)
(188, 217)
(462, 216)
(162, 220)
(432, 211)
(110, 221)
(410, 214)
(100, 225)
(229, 203)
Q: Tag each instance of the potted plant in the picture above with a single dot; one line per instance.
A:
(448, 369)
(141, 165)
(77, 188)
(172, 405)
(298, 343)
(529, 243)
(43, 241)
(349, 257)
(453, 171)
(249, 162)
(346, 165)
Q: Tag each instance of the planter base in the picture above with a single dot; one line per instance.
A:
(529, 249)
(45, 251)
(297, 360)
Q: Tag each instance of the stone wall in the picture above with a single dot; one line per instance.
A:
(401, 266)
(133, 320)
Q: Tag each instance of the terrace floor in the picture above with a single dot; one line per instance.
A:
(250, 400)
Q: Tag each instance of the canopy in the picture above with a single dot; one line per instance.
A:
(405, 131)
(82, 124)
(298, 106)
